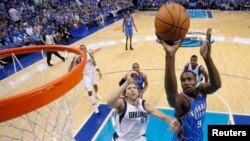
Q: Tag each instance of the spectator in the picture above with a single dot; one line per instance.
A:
(14, 14)
(66, 35)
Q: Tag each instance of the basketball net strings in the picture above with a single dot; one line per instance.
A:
(60, 128)
(14, 60)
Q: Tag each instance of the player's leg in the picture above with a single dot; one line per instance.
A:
(126, 46)
(88, 87)
(130, 37)
(127, 36)
(95, 86)
(59, 56)
(49, 58)
(98, 96)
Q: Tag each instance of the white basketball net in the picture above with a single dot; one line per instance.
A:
(52, 122)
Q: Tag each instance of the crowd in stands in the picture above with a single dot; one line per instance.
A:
(23, 22)
(198, 4)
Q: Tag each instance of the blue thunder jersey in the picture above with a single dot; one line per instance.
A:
(192, 121)
(128, 26)
(139, 81)
(131, 125)
(128, 21)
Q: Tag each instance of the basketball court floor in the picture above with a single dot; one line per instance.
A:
(230, 53)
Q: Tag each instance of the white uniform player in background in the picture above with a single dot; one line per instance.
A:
(132, 112)
(89, 79)
(199, 71)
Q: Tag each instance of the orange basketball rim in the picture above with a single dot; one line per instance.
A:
(33, 99)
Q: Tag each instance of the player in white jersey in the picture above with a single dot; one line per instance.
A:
(89, 78)
(199, 71)
(132, 112)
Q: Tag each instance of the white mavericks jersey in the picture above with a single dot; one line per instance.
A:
(89, 64)
(196, 71)
(132, 124)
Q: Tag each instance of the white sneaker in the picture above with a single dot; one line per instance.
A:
(98, 96)
(96, 110)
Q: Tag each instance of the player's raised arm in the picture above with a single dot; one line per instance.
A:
(214, 77)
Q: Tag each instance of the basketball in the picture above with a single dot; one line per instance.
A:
(172, 22)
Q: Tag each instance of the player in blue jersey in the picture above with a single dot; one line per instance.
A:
(127, 27)
(140, 79)
(190, 105)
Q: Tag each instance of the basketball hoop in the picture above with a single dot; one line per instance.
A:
(16, 108)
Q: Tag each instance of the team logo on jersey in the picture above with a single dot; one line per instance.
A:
(139, 114)
(198, 111)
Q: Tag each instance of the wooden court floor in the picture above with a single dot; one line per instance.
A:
(230, 53)
(231, 58)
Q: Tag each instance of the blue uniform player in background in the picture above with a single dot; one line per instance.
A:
(141, 79)
(190, 105)
(128, 23)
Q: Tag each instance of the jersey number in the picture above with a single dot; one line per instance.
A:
(199, 124)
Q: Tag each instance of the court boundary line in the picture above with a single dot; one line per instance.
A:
(231, 119)
(83, 123)
(103, 124)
